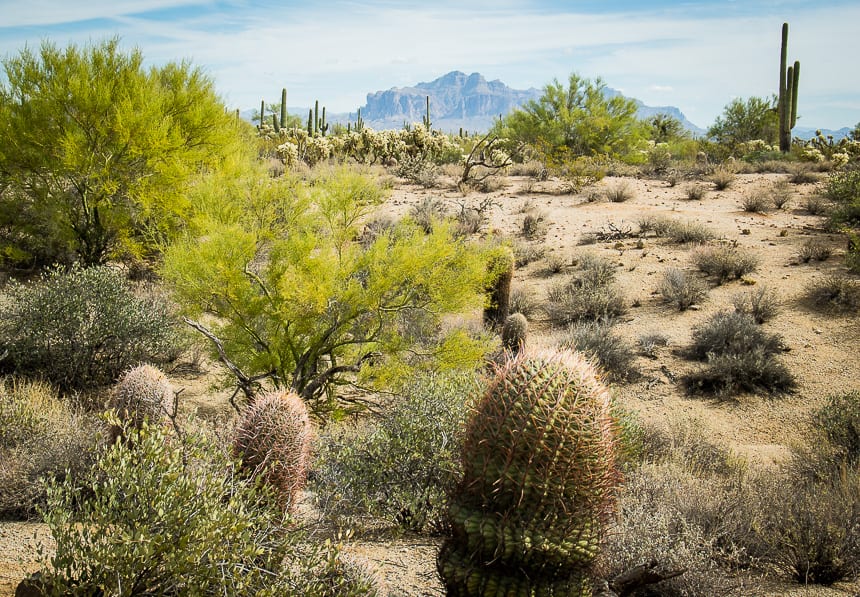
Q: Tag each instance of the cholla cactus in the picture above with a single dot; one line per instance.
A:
(143, 393)
(514, 333)
(273, 441)
(538, 482)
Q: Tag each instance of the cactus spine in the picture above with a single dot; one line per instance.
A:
(538, 484)
(501, 267)
(789, 78)
(514, 333)
(273, 441)
(284, 106)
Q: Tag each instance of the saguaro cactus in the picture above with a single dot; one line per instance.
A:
(538, 484)
(284, 106)
(789, 77)
(426, 117)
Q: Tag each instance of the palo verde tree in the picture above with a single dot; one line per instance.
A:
(746, 120)
(580, 118)
(96, 151)
(304, 298)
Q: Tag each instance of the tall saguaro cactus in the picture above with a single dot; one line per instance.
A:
(426, 118)
(284, 106)
(789, 77)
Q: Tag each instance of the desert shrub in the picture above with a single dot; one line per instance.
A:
(523, 301)
(591, 294)
(398, 468)
(781, 194)
(680, 289)
(82, 328)
(723, 178)
(843, 186)
(834, 293)
(762, 304)
(801, 173)
(815, 205)
(724, 262)
(814, 249)
(598, 341)
(678, 231)
(428, 212)
(273, 442)
(418, 169)
(619, 193)
(839, 419)
(739, 356)
(162, 517)
(41, 438)
(525, 253)
(554, 265)
(756, 201)
(658, 224)
(650, 342)
(695, 192)
(533, 225)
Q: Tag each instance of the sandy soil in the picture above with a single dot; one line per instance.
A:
(822, 347)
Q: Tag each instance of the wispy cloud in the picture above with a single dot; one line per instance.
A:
(695, 56)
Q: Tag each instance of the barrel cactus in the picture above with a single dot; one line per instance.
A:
(514, 333)
(273, 440)
(501, 266)
(538, 484)
(142, 393)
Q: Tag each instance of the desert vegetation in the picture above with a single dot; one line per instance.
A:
(577, 353)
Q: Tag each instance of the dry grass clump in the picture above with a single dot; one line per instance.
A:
(756, 201)
(523, 301)
(814, 249)
(554, 264)
(534, 225)
(801, 173)
(781, 194)
(598, 341)
(816, 205)
(834, 293)
(532, 168)
(525, 253)
(724, 262)
(679, 288)
(723, 178)
(695, 192)
(650, 342)
(739, 357)
(678, 231)
(429, 211)
(619, 193)
(591, 294)
(762, 304)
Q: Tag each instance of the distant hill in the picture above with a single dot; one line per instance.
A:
(467, 101)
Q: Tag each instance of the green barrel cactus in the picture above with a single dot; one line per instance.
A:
(501, 267)
(514, 332)
(538, 486)
(273, 440)
(142, 393)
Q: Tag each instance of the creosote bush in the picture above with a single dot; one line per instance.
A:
(41, 438)
(162, 517)
(681, 289)
(82, 328)
(399, 468)
(839, 419)
(724, 262)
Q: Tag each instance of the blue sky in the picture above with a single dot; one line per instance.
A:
(696, 55)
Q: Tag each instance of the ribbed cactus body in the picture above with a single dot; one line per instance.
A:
(273, 441)
(514, 333)
(501, 265)
(538, 482)
(142, 393)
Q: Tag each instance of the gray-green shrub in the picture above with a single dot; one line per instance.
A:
(82, 328)
(679, 288)
(598, 341)
(724, 262)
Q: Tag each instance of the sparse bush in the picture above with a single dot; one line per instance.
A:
(839, 419)
(680, 289)
(835, 293)
(723, 178)
(428, 212)
(658, 224)
(273, 442)
(756, 201)
(418, 169)
(781, 194)
(597, 341)
(814, 249)
(688, 232)
(525, 253)
(589, 295)
(815, 205)
(533, 225)
(695, 192)
(554, 264)
(762, 304)
(739, 356)
(619, 193)
(801, 173)
(162, 518)
(399, 468)
(724, 262)
(649, 343)
(523, 301)
(82, 328)
(42, 438)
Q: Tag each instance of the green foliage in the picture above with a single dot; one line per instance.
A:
(82, 328)
(163, 518)
(579, 117)
(96, 151)
(300, 300)
(273, 441)
(746, 120)
(41, 437)
(501, 268)
(400, 467)
(663, 128)
(538, 482)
